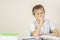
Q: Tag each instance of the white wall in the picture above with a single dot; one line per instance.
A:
(16, 15)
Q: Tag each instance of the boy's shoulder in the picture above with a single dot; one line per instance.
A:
(46, 20)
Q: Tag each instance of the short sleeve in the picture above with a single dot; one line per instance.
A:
(32, 27)
(52, 26)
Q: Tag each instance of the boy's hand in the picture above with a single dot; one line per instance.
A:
(40, 20)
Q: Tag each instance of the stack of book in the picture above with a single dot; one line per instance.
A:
(42, 38)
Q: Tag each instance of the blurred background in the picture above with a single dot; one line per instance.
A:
(16, 15)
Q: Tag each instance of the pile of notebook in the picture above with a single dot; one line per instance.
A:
(36, 39)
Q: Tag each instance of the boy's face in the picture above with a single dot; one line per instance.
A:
(39, 13)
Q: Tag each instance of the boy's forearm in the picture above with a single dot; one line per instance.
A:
(53, 34)
(37, 31)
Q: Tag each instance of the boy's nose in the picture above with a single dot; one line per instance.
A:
(40, 15)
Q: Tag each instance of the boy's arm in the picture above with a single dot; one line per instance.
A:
(55, 33)
(37, 30)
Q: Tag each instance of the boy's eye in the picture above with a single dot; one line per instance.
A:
(41, 13)
(37, 13)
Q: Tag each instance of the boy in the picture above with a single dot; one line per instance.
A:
(42, 26)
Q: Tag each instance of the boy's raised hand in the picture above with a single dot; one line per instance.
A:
(40, 21)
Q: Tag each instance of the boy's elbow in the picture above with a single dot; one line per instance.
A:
(57, 34)
(34, 34)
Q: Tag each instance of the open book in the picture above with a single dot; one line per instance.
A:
(43, 37)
